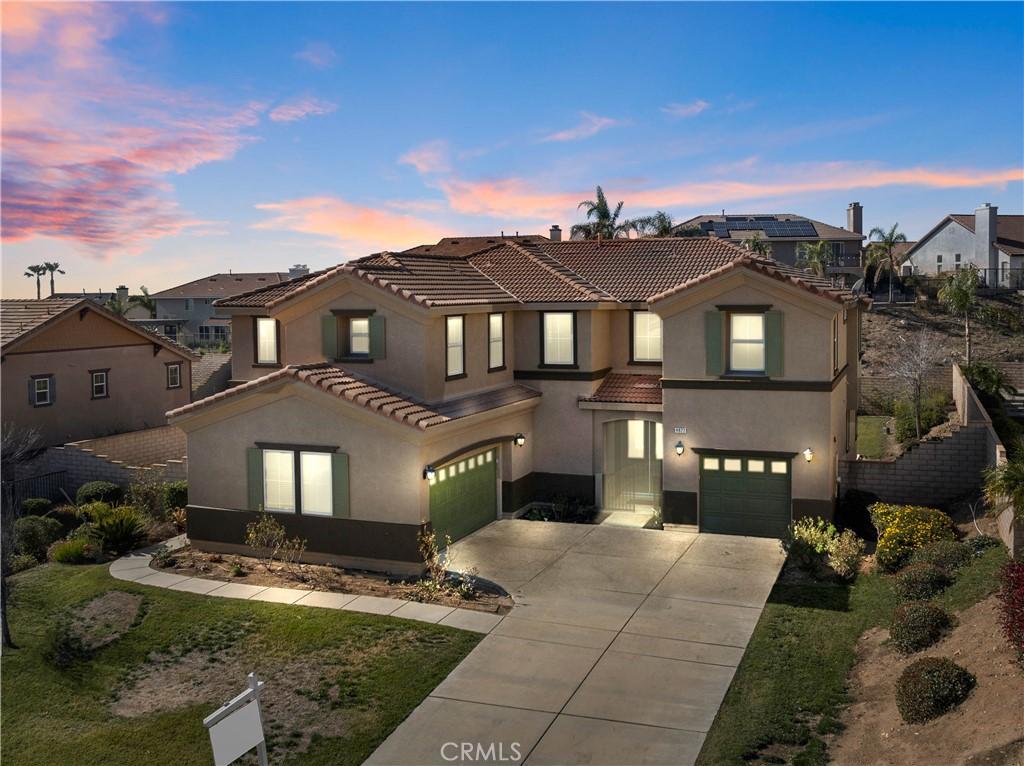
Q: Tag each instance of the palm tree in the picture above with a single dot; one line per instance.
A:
(882, 251)
(758, 245)
(117, 306)
(52, 268)
(658, 225)
(816, 257)
(1004, 484)
(605, 223)
(959, 295)
(36, 271)
(145, 301)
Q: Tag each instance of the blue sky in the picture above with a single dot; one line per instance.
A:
(154, 144)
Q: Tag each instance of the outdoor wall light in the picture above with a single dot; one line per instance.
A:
(679, 447)
(429, 473)
(519, 440)
(808, 454)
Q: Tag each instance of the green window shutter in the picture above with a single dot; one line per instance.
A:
(774, 347)
(329, 336)
(339, 489)
(714, 351)
(378, 338)
(254, 458)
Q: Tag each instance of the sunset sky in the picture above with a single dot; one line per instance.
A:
(152, 144)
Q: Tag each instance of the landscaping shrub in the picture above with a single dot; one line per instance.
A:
(845, 553)
(86, 530)
(93, 511)
(103, 491)
(68, 515)
(34, 534)
(79, 550)
(22, 561)
(569, 510)
(947, 555)
(934, 409)
(175, 495)
(36, 506)
(1011, 605)
(147, 496)
(902, 529)
(982, 543)
(808, 541)
(930, 687)
(119, 530)
(920, 581)
(917, 625)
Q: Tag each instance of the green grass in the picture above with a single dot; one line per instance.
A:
(387, 665)
(792, 681)
(871, 436)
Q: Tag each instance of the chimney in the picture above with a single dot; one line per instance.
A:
(122, 293)
(855, 218)
(298, 270)
(986, 220)
(555, 235)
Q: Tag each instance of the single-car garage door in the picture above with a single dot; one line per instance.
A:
(744, 495)
(464, 496)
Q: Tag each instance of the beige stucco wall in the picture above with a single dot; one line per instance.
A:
(565, 433)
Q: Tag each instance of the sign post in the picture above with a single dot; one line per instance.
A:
(237, 727)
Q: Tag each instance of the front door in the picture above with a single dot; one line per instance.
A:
(632, 465)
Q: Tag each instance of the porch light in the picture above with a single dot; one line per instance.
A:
(679, 447)
(519, 440)
(429, 473)
(808, 454)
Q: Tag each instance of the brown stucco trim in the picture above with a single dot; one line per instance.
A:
(679, 507)
(561, 374)
(746, 453)
(733, 383)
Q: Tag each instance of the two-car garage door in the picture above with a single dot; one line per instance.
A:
(464, 496)
(744, 495)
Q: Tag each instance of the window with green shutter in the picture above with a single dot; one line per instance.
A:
(308, 480)
(714, 340)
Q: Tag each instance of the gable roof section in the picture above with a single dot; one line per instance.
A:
(21, 319)
(740, 226)
(223, 285)
(1009, 231)
(336, 381)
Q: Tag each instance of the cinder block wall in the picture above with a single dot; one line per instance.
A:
(878, 391)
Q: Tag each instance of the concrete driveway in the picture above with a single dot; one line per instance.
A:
(619, 649)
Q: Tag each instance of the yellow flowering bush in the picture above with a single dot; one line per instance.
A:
(902, 529)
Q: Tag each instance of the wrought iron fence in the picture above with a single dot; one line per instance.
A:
(48, 485)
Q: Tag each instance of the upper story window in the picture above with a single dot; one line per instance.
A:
(938, 263)
(558, 330)
(646, 337)
(174, 375)
(455, 346)
(746, 343)
(956, 262)
(266, 341)
(305, 480)
(495, 342)
(359, 336)
(99, 384)
(188, 305)
(42, 390)
(353, 335)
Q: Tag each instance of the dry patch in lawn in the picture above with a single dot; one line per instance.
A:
(984, 730)
(106, 618)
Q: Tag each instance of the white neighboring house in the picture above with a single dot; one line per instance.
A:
(992, 243)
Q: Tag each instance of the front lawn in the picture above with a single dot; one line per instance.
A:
(792, 680)
(871, 439)
(337, 682)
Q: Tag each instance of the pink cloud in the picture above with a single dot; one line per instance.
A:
(300, 109)
(358, 228)
(589, 125)
(686, 110)
(431, 157)
(74, 32)
(317, 54)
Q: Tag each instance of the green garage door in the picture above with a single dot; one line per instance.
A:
(744, 495)
(464, 496)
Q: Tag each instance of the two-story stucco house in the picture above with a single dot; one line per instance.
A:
(402, 391)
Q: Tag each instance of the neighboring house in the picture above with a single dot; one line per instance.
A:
(785, 232)
(186, 313)
(992, 243)
(103, 298)
(401, 392)
(73, 370)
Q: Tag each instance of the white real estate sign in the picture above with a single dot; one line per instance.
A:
(237, 727)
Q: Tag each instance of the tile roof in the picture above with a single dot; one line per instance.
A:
(430, 281)
(738, 231)
(627, 388)
(268, 297)
(1009, 231)
(223, 285)
(375, 397)
(462, 246)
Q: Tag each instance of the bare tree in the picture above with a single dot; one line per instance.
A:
(917, 355)
(16, 446)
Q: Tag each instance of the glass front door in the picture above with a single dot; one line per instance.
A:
(632, 465)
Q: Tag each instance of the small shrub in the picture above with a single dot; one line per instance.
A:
(65, 647)
(120, 530)
(237, 570)
(22, 561)
(85, 531)
(164, 558)
(147, 495)
(68, 515)
(916, 625)
(930, 687)
(34, 534)
(947, 555)
(808, 541)
(1011, 605)
(179, 518)
(845, 553)
(267, 536)
(982, 543)
(76, 551)
(36, 506)
(103, 491)
(902, 529)
(920, 581)
(93, 511)
(934, 409)
(175, 494)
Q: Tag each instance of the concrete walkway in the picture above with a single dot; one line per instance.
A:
(619, 650)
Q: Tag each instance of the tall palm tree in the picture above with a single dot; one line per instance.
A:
(882, 251)
(602, 222)
(36, 271)
(816, 257)
(658, 225)
(145, 301)
(117, 306)
(758, 245)
(959, 295)
(52, 268)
